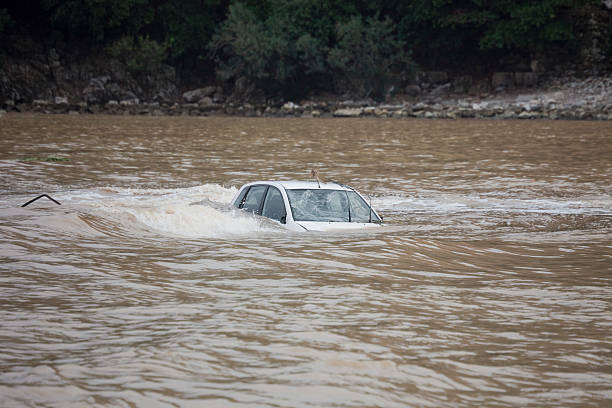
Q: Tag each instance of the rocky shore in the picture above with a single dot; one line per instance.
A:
(566, 99)
(49, 81)
(49, 75)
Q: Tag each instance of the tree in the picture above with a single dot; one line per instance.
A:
(99, 18)
(276, 45)
(457, 27)
(367, 53)
(189, 25)
(5, 20)
(140, 55)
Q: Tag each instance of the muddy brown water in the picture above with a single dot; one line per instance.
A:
(489, 285)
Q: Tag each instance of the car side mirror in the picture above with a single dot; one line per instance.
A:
(283, 219)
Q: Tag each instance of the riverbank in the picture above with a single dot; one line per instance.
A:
(559, 98)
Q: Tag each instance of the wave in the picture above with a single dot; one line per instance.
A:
(455, 203)
(204, 211)
(194, 212)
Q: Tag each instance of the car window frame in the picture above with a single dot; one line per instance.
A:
(265, 200)
(260, 208)
(239, 201)
(372, 216)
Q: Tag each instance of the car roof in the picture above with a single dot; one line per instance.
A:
(299, 185)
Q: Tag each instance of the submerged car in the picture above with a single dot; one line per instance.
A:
(307, 205)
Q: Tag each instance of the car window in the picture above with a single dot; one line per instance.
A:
(274, 206)
(360, 210)
(319, 205)
(254, 197)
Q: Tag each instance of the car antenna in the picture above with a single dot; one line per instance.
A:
(315, 174)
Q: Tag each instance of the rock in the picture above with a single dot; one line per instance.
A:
(348, 113)
(129, 102)
(462, 83)
(528, 79)
(381, 113)
(419, 106)
(437, 77)
(509, 113)
(502, 80)
(391, 107)
(218, 97)
(242, 86)
(420, 77)
(478, 87)
(289, 107)
(535, 106)
(369, 110)
(406, 111)
(487, 113)
(128, 95)
(466, 113)
(440, 90)
(413, 90)
(102, 89)
(53, 58)
(349, 103)
(206, 102)
(61, 100)
(196, 95)
(164, 96)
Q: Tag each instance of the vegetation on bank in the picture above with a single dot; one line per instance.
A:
(295, 47)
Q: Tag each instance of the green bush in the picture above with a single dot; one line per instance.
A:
(140, 55)
(99, 19)
(276, 54)
(241, 46)
(189, 24)
(293, 47)
(367, 55)
(6, 22)
(470, 26)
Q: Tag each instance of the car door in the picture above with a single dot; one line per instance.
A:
(274, 205)
(253, 199)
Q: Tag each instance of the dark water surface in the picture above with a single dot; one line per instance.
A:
(491, 284)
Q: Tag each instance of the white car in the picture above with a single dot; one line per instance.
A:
(307, 205)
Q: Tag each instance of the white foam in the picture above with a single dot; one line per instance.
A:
(195, 221)
(212, 192)
(450, 203)
(192, 212)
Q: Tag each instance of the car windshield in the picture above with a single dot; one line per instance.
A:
(328, 206)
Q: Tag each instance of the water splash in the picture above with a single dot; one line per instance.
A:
(194, 212)
(434, 202)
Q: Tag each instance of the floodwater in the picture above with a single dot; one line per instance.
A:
(489, 286)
